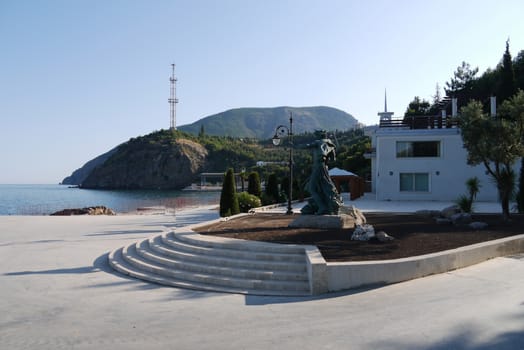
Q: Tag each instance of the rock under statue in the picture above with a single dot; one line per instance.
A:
(325, 199)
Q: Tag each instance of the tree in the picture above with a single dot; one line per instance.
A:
(438, 96)
(228, 198)
(462, 85)
(417, 107)
(495, 143)
(463, 79)
(518, 68)
(513, 110)
(507, 84)
(253, 184)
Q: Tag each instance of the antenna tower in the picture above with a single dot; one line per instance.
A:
(172, 99)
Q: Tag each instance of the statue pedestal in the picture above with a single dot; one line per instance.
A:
(348, 217)
(323, 221)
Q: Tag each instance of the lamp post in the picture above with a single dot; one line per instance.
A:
(280, 132)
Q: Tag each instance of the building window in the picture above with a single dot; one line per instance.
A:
(410, 149)
(414, 182)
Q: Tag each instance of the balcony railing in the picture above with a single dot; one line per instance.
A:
(420, 122)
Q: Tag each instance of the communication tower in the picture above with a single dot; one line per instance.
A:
(172, 99)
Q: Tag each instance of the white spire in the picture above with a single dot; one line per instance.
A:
(385, 115)
(385, 101)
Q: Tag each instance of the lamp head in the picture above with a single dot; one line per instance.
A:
(276, 140)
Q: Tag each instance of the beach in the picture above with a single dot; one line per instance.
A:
(58, 292)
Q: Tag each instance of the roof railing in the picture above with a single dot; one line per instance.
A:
(420, 122)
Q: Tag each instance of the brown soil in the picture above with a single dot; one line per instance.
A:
(414, 234)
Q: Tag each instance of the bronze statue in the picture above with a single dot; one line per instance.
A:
(325, 199)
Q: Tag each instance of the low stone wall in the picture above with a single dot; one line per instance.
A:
(348, 275)
(317, 271)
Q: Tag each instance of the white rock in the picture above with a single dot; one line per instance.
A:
(383, 236)
(450, 211)
(363, 233)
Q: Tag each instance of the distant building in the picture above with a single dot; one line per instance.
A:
(422, 158)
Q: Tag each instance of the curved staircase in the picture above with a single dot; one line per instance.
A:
(190, 260)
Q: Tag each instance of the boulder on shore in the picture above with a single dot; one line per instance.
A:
(98, 210)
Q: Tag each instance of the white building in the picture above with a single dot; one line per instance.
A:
(422, 158)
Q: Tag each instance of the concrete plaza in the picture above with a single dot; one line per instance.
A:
(57, 292)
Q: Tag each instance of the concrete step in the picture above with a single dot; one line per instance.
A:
(212, 280)
(198, 244)
(239, 271)
(210, 241)
(158, 245)
(189, 260)
(118, 263)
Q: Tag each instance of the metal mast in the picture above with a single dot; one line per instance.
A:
(172, 99)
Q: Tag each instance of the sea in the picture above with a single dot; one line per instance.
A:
(47, 199)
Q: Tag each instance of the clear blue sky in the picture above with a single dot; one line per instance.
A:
(80, 77)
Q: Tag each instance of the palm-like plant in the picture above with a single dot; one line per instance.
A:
(465, 202)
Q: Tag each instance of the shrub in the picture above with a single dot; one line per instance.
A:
(228, 198)
(465, 203)
(248, 201)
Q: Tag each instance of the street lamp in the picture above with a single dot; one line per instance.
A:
(280, 132)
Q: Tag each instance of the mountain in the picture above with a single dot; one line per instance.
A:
(261, 123)
(172, 159)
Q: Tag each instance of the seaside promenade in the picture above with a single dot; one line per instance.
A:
(57, 292)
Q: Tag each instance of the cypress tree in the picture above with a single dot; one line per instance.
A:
(228, 197)
(508, 85)
(253, 184)
(272, 187)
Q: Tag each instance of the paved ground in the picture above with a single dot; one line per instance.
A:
(57, 292)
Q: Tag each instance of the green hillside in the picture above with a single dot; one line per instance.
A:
(260, 123)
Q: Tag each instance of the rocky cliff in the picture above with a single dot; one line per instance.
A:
(157, 161)
(78, 176)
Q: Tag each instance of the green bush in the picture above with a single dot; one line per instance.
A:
(465, 203)
(228, 197)
(248, 201)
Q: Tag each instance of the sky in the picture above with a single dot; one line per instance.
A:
(78, 77)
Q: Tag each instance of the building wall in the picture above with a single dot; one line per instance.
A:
(447, 173)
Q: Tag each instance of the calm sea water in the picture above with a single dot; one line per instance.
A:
(46, 199)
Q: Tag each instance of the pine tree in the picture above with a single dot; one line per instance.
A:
(228, 198)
